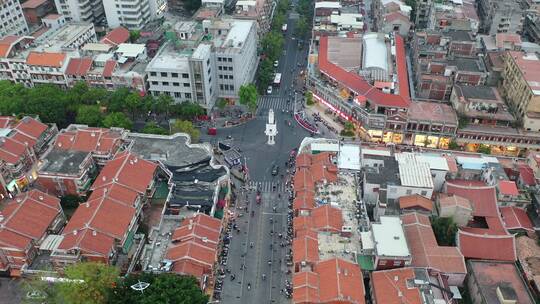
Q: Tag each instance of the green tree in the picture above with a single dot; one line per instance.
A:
(349, 126)
(37, 291)
(134, 36)
(163, 104)
(453, 145)
(12, 97)
(265, 74)
(445, 230)
(163, 288)
(248, 96)
(98, 280)
(184, 126)
(222, 103)
(279, 20)
(89, 115)
(484, 149)
(302, 27)
(117, 119)
(134, 103)
(309, 98)
(153, 128)
(51, 104)
(272, 45)
(117, 100)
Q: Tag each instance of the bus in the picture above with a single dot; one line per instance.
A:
(284, 28)
(277, 80)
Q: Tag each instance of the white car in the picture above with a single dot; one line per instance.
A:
(269, 90)
(276, 63)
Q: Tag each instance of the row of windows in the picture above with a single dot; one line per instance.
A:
(224, 59)
(174, 84)
(175, 94)
(225, 68)
(226, 87)
(225, 77)
(173, 75)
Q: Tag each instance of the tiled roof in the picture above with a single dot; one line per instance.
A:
(202, 227)
(11, 150)
(527, 175)
(128, 170)
(12, 239)
(305, 287)
(454, 200)
(117, 36)
(415, 201)
(118, 193)
(340, 281)
(79, 66)
(304, 200)
(303, 180)
(46, 59)
(193, 251)
(33, 3)
(507, 187)
(491, 242)
(360, 86)
(6, 121)
(425, 251)
(327, 218)
(516, 218)
(390, 287)
(188, 267)
(97, 140)
(88, 241)
(395, 16)
(306, 248)
(31, 213)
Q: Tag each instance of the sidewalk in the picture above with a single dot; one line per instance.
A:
(230, 116)
(328, 118)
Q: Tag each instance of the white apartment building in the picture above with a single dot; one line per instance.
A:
(204, 66)
(12, 21)
(81, 10)
(133, 15)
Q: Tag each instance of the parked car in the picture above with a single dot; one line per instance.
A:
(275, 170)
(269, 90)
(276, 63)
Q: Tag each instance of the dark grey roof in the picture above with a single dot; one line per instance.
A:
(466, 64)
(63, 162)
(476, 92)
(460, 35)
(386, 175)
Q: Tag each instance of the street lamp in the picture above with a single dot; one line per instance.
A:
(140, 286)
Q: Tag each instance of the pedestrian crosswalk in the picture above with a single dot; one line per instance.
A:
(267, 186)
(276, 103)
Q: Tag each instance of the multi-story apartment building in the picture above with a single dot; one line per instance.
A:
(12, 21)
(34, 10)
(497, 16)
(521, 87)
(81, 10)
(531, 27)
(134, 15)
(259, 10)
(201, 65)
(423, 12)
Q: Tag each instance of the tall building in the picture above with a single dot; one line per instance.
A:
(498, 16)
(12, 19)
(133, 14)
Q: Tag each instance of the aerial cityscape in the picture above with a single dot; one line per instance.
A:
(270, 151)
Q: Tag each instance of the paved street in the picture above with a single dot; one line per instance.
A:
(277, 103)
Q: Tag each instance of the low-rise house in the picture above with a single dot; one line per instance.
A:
(391, 249)
(425, 252)
(25, 222)
(497, 282)
(415, 203)
(456, 207)
(66, 172)
(516, 220)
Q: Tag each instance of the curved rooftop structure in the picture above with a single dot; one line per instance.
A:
(375, 52)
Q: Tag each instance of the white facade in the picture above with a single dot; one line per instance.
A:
(12, 21)
(81, 10)
(133, 15)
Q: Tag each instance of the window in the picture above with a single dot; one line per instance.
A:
(229, 59)
(220, 68)
(153, 74)
(188, 95)
(221, 87)
(230, 68)
(163, 74)
(177, 95)
(154, 83)
(409, 191)
(382, 262)
(397, 263)
(165, 83)
(219, 59)
(423, 193)
(230, 76)
(174, 75)
(232, 87)
(185, 75)
(220, 76)
(176, 84)
(186, 84)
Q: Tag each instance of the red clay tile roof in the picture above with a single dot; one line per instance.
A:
(128, 170)
(454, 200)
(415, 201)
(189, 267)
(201, 227)
(21, 213)
(108, 70)
(305, 248)
(306, 287)
(11, 151)
(6, 121)
(507, 187)
(527, 175)
(31, 127)
(96, 140)
(390, 287)
(425, 251)
(46, 59)
(303, 160)
(493, 242)
(360, 86)
(88, 241)
(7, 43)
(193, 251)
(304, 200)
(303, 180)
(340, 281)
(327, 218)
(79, 66)
(516, 218)
(117, 36)
(394, 16)
(12, 239)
